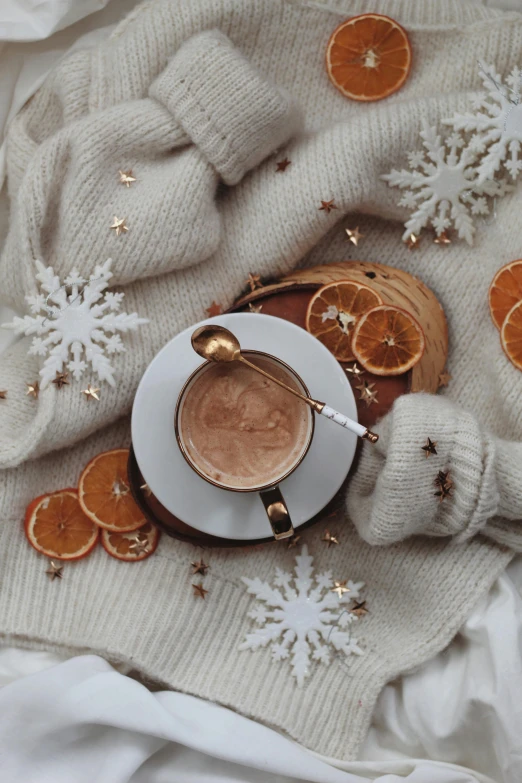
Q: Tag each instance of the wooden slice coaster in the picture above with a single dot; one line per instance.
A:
(289, 299)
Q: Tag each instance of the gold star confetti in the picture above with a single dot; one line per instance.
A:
(3, 394)
(444, 379)
(119, 225)
(140, 545)
(214, 309)
(367, 393)
(254, 281)
(355, 371)
(146, 490)
(61, 380)
(126, 178)
(200, 591)
(255, 308)
(33, 389)
(199, 567)
(430, 447)
(340, 588)
(359, 609)
(282, 165)
(330, 538)
(54, 571)
(442, 239)
(354, 235)
(292, 542)
(444, 485)
(327, 206)
(91, 393)
(412, 243)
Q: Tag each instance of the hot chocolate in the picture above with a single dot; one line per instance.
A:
(240, 429)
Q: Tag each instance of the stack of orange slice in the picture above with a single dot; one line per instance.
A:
(66, 525)
(505, 304)
(351, 320)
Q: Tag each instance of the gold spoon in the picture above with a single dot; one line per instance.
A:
(217, 344)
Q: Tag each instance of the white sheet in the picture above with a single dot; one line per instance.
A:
(80, 720)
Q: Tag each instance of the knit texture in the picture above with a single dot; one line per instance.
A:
(136, 102)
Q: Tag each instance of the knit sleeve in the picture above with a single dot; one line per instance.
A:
(396, 490)
(234, 115)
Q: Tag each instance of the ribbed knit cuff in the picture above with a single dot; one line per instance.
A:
(393, 494)
(227, 108)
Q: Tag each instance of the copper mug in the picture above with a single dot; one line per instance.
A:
(270, 494)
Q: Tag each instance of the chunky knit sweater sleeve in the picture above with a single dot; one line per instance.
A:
(392, 496)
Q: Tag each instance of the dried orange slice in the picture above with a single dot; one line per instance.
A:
(368, 57)
(505, 291)
(333, 312)
(388, 341)
(133, 546)
(56, 526)
(511, 335)
(105, 495)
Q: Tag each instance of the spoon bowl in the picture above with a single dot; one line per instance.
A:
(216, 344)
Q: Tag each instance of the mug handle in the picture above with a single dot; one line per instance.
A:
(277, 512)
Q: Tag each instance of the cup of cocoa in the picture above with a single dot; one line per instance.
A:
(243, 433)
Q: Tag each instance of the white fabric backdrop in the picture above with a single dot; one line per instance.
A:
(80, 720)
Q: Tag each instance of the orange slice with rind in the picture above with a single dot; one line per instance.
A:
(56, 526)
(388, 341)
(505, 291)
(368, 57)
(334, 311)
(511, 335)
(132, 546)
(105, 495)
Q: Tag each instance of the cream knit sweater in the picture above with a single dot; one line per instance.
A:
(190, 94)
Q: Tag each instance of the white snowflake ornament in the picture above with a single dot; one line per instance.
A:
(303, 620)
(443, 187)
(75, 323)
(496, 123)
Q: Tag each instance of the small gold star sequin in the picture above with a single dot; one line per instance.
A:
(140, 545)
(430, 447)
(119, 225)
(292, 542)
(355, 371)
(330, 538)
(3, 394)
(444, 379)
(54, 571)
(442, 239)
(91, 393)
(367, 393)
(359, 609)
(444, 485)
(327, 206)
(254, 281)
(354, 235)
(412, 243)
(199, 591)
(340, 588)
(146, 490)
(61, 380)
(282, 165)
(126, 178)
(214, 309)
(33, 389)
(199, 567)
(255, 308)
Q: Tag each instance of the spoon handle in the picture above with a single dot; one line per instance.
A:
(320, 407)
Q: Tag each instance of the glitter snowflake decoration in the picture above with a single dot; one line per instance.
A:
(496, 123)
(305, 619)
(75, 323)
(443, 187)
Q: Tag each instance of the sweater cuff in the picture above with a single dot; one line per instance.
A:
(393, 494)
(229, 110)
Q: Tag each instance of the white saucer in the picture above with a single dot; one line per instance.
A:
(233, 514)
